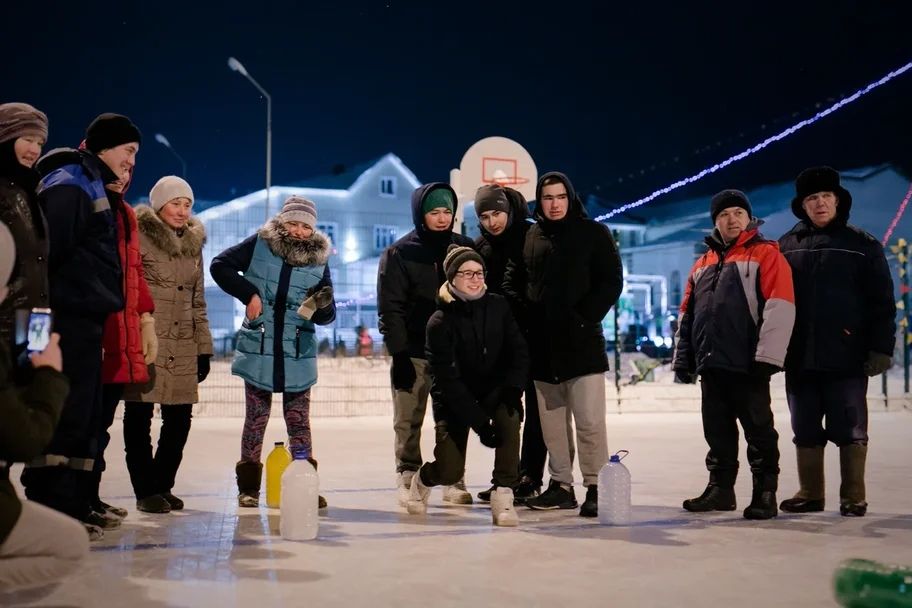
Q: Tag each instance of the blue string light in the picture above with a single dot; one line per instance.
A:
(780, 136)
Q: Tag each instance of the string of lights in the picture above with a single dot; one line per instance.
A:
(897, 217)
(754, 149)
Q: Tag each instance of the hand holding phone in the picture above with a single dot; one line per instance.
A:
(50, 356)
(39, 329)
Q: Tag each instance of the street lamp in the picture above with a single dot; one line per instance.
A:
(164, 141)
(238, 67)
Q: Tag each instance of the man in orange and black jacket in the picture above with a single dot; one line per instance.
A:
(736, 322)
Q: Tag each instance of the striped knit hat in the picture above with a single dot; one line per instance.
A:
(457, 256)
(299, 209)
(21, 120)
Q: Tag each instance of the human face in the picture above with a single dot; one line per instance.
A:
(821, 207)
(554, 201)
(439, 219)
(731, 222)
(494, 222)
(176, 212)
(28, 149)
(299, 230)
(469, 278)
(121, 160)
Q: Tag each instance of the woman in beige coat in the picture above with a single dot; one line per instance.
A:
(172, 245)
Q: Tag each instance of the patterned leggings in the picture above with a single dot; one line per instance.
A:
(259, 403)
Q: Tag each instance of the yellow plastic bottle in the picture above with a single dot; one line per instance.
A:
(278, 459)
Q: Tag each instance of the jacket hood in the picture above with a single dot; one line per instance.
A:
(575, 209)
(714, 240)
(61, 157)
(418, 197)
(188, 244)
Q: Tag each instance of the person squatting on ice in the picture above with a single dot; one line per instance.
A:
(172, 257)
(409, 276)
(286, 285)
(736, 321)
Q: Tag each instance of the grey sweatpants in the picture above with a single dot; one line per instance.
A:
(579, 401)
(409, 409)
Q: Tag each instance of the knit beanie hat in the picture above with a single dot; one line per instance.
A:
(7, 258)
(167, 189)
(438, 197)
(299, 209)
(109, 131)
(728, 198)
(457, 256)
(21, 120)
(491, 197)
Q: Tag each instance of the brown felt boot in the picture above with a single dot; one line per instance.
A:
(811, 492)
(852, 489)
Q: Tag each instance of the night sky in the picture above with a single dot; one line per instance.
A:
(624, 99)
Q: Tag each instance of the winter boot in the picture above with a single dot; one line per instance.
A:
(321, 502)
(418, 496)
(852, 489)
(249, 476)
(714, 498)
(502, 511)
(457, 494)
(403, 483)
(763, 500)
(589, 508)
(485, 495)
(811, 491)
(526, 489)
(153, 504)
(174, 502)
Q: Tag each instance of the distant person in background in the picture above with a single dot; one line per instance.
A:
(365, 342)
(172, 241)
(285, 283)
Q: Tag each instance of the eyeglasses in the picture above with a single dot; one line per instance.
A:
(550, 199)
(471, 274)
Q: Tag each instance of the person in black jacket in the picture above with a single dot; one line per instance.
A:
(569, 278)
(479, 363)
(503, 217)
(409, 275)
(844, 332)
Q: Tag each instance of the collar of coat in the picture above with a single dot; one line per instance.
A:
(296, 252)
(188, 244)
(752, 231)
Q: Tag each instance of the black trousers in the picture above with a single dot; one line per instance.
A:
(727, 399)
(63, 478)
(154, 474)
(827, 407)
(450, 452)
(534, 452)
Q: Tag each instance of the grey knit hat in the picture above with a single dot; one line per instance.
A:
(299, 209)
(167, 189)
(22, 120)
(457, 256)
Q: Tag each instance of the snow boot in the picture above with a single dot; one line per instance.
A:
(852, 489)
(763, 500)
(811, 484)
(502, 511)
(418, 496)
(457, 494)
(249, 477)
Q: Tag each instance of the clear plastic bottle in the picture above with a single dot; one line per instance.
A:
(861, 583)
(614, 492)
(276, 463)
(300, 495)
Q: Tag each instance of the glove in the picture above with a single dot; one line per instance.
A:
(149, 339)
(489, 436)
(511, 397)
(684, 377)
(763, 370)
(403, 372)
(202, 367)
(877, 363)
(324, 297)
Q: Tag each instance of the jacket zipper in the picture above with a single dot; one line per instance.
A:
(297, 342)
(263, 339)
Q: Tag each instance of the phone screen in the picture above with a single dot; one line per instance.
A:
(39, 330)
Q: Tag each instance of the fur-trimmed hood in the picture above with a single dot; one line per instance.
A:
(314, 251)
(189, 244)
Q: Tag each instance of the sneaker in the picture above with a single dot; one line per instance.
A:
(525, 490)
(246, 500)
(155, 503)
(502, 511)
(403, 483)
(94, 532)
(103, 507)
(590, 505)
(457, 494)
(102, 520)
(418, 497)
(485, 495)
(175, 503)
(555, 497)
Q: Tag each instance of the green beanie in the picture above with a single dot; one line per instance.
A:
(438, 197)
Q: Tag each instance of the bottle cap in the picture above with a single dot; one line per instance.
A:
(278, 443)
(300, 453)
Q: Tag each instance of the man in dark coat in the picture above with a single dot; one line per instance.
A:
(409, 275)
(844, 332)
(569, 278)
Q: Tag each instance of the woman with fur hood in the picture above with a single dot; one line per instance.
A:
(171, 242)
(285, 284)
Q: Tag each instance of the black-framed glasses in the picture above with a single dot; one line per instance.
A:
(471, 274)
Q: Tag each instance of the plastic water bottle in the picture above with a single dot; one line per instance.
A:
(861, 583)
(300, 494)
(279, 458)
(614, 492)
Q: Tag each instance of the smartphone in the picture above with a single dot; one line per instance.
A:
(39, 329)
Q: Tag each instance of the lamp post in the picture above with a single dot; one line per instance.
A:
(164, 141)
(238, 67)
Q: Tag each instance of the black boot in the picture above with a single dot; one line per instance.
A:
(589, 508)
(485, 495)
(249, 476)
(763, 500)
(713, 498)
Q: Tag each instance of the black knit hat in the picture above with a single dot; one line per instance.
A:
(109, 131)
(457, 256)
(819, 179)
(491, 197)
(728, 198)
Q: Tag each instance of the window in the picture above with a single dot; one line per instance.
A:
(329, 229)
(388, 186)
(384, 236)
